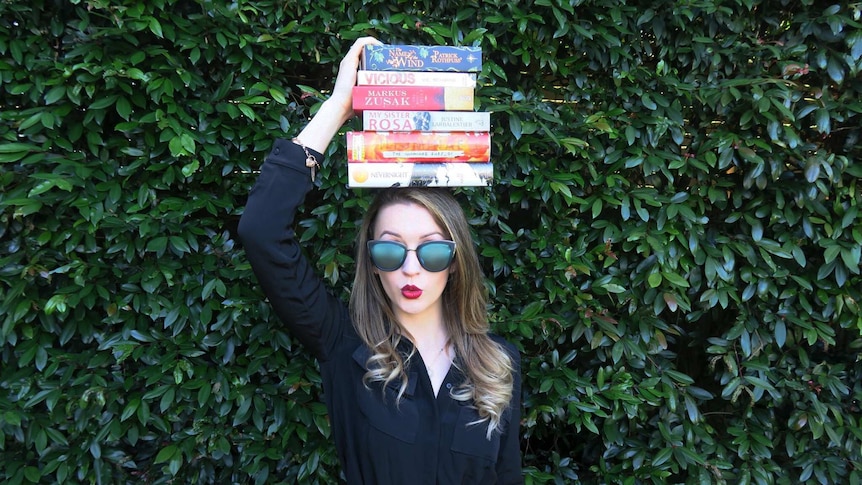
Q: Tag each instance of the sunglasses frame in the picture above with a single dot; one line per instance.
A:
(417, 249)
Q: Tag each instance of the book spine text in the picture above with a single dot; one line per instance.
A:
(412, 98)
(372, 146)
(421, 58)
(411, 78)
(376, 120)
(419, 174)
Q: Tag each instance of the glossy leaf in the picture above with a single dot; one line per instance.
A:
(672, 238)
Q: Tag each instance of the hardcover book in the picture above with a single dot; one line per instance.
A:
(419, 174)
(412, 78)
(412, 98)
(418, 146)
(375, 120)
(421, 58)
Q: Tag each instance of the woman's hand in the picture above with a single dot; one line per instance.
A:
(336, 110)
(342, 93)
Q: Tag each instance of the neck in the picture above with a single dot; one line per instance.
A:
(425, 331)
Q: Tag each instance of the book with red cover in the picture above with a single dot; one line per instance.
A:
(412, 98)
(456, 174)
(418, 146)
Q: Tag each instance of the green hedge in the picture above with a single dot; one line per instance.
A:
(673, 240)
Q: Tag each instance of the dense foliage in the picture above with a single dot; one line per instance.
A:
(673, 240)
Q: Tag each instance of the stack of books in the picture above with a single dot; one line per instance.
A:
(418, 123)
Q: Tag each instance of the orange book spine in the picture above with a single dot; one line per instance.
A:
(373, 146)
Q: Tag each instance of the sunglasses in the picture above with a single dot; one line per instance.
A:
(434, 256)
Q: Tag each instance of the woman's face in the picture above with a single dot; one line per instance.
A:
(413, 291)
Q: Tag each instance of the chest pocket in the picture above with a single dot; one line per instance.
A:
(471, 439)
(379, 408)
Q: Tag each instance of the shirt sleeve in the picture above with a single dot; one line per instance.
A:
(509, 460)
(296, 293)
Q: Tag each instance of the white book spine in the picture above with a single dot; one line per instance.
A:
(456, 174)
(375, 120)
(416, 78)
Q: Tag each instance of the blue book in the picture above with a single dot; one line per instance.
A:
(422, 58)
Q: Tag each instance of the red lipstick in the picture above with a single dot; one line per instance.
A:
(411, 292)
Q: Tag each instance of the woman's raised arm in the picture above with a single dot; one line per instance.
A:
(339, 107)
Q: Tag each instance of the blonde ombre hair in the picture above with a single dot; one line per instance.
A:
(486, 365)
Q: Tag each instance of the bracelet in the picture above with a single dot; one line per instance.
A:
(310, 160)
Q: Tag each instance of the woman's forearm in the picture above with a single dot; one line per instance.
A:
(318, 133)
(339, 107)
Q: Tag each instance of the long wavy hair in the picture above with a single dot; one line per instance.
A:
(486, 365)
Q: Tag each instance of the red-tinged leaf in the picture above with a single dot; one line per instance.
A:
(670, 299)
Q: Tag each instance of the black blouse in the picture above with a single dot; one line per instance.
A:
(426, 439)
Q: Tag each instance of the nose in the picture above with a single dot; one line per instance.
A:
(411, 263)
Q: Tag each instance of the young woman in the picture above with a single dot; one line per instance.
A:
(416, 388)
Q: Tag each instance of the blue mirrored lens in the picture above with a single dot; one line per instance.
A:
(387, 255)
(436, 256)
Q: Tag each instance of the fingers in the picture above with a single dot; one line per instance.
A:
(336, 110)
(346, 79)
(351, 59)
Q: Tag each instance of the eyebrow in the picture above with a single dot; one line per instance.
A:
(395, 234)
